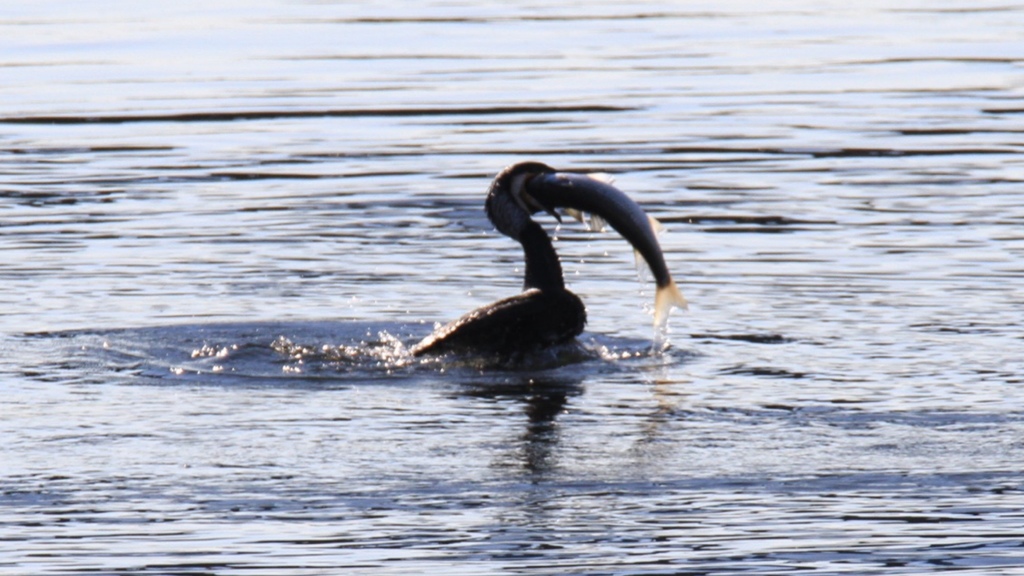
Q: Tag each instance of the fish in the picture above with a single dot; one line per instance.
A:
(582, 194)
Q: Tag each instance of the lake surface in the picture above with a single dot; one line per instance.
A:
(222, 225)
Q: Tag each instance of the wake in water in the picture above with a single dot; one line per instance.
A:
(390, 353)
(314, 352)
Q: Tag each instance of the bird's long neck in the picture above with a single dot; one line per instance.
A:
(543, 269)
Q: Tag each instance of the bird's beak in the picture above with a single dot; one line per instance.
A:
(529, 202)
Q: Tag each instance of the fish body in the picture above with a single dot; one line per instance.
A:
(584, 193)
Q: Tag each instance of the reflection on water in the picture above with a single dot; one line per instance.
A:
(221, 225)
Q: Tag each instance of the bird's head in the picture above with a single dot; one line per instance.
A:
(509, 204)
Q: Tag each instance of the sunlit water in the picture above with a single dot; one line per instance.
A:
(223, 225)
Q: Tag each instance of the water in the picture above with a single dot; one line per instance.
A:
(222, 224)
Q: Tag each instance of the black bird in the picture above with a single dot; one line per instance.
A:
(546, 313)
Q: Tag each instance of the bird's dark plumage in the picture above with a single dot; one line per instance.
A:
(546, 313)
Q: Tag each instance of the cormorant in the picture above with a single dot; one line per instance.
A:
(546, 313)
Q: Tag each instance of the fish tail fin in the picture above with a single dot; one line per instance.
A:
(665, 298)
